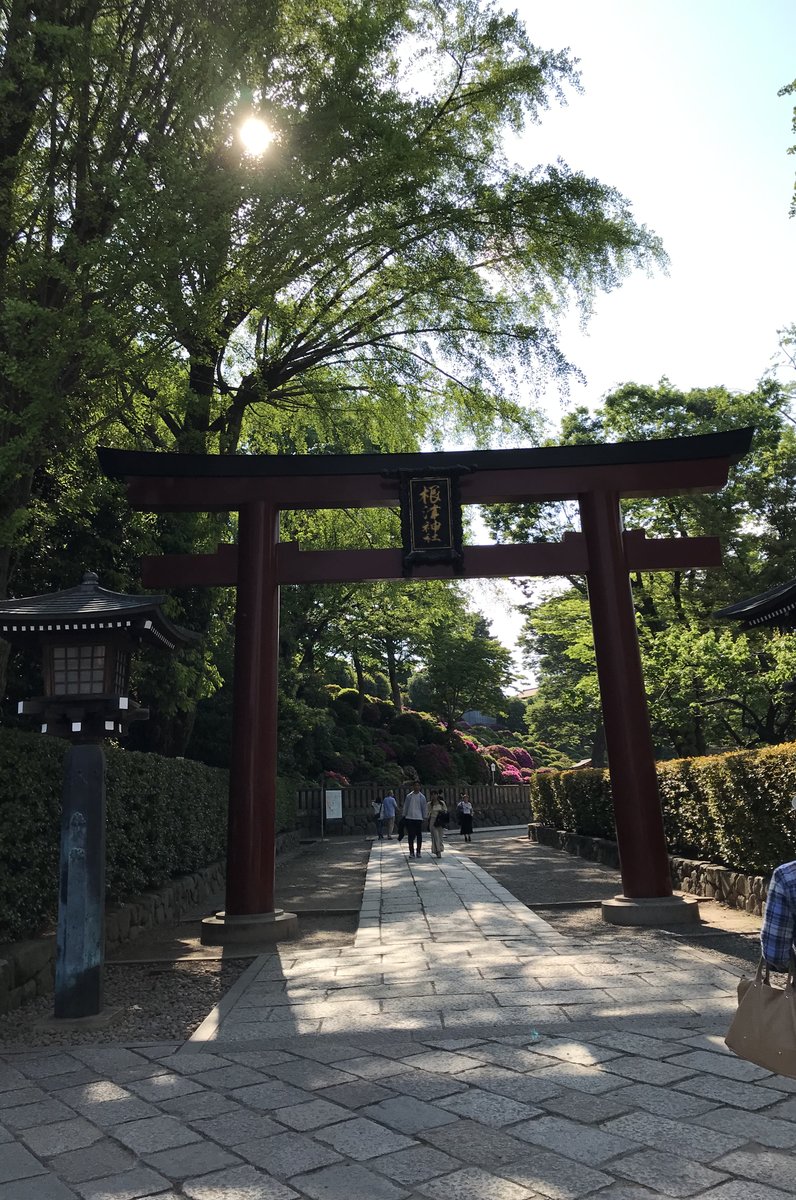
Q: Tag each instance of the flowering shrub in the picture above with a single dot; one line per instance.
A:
(336, 777)
(434, 764)
(353, 750)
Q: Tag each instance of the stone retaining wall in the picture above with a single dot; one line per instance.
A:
(27, 968)
(747, 892)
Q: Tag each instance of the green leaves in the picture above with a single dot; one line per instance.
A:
(381, 279)
(383, 253)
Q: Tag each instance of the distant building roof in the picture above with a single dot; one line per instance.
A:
(474, 717)
(776, 607)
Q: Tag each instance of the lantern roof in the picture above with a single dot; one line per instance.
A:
(775, 607)
(89, 608)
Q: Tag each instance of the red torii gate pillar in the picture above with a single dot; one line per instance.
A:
(646, 876)
(598, 476)
(252, 819)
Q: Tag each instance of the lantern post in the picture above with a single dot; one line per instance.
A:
(86, 635)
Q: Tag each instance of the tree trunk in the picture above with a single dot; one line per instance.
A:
(392, 672)
(360, 683)
(598, 747)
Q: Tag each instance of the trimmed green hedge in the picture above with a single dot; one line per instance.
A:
(579, 801)
(166, 817)
(731, 809)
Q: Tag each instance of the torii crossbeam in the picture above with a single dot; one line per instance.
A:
(597, 476)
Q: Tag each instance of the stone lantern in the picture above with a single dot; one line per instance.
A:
(86, 635)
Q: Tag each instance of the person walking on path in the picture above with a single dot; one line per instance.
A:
(465, 810)
(378, 820)
(388, 815)
(437, 822)
(414, 814)
(778, 932)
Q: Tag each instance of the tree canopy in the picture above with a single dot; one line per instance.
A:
(381, 278)
(465, 668)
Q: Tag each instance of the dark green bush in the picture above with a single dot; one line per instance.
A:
(407, 724)
(31, 780)
(166, 817)
(345, 705)
(286, 789)
(378, 712)
(732, 809)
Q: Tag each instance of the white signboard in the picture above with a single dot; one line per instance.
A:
(334, 806)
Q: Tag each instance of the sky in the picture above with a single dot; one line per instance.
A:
(679, 112)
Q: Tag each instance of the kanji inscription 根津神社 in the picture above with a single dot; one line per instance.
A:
(431, 521)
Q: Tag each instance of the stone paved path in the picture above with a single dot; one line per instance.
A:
(410, 1065)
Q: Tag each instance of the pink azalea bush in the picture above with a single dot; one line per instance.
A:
(434, 763)
(336, 777)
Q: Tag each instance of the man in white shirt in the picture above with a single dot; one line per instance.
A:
(414, 814)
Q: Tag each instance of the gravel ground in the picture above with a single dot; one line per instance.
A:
(170, 983)
(158, 1001)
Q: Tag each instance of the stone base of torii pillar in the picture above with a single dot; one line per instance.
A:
(254, 930)
(656, 912)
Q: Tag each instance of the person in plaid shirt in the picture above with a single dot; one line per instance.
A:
(778, 934)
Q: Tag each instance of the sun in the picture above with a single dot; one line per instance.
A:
(255, 136)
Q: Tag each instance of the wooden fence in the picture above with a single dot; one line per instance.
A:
(499, 804)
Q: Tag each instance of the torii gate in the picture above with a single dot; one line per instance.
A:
(598, 476)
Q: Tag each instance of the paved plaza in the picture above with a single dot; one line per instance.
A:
(461, 1049)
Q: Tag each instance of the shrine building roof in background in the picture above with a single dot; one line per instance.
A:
(774, 608)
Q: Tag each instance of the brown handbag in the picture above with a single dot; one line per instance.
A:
(763, 1030)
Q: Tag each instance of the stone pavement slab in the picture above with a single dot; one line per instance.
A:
(461, 1048)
